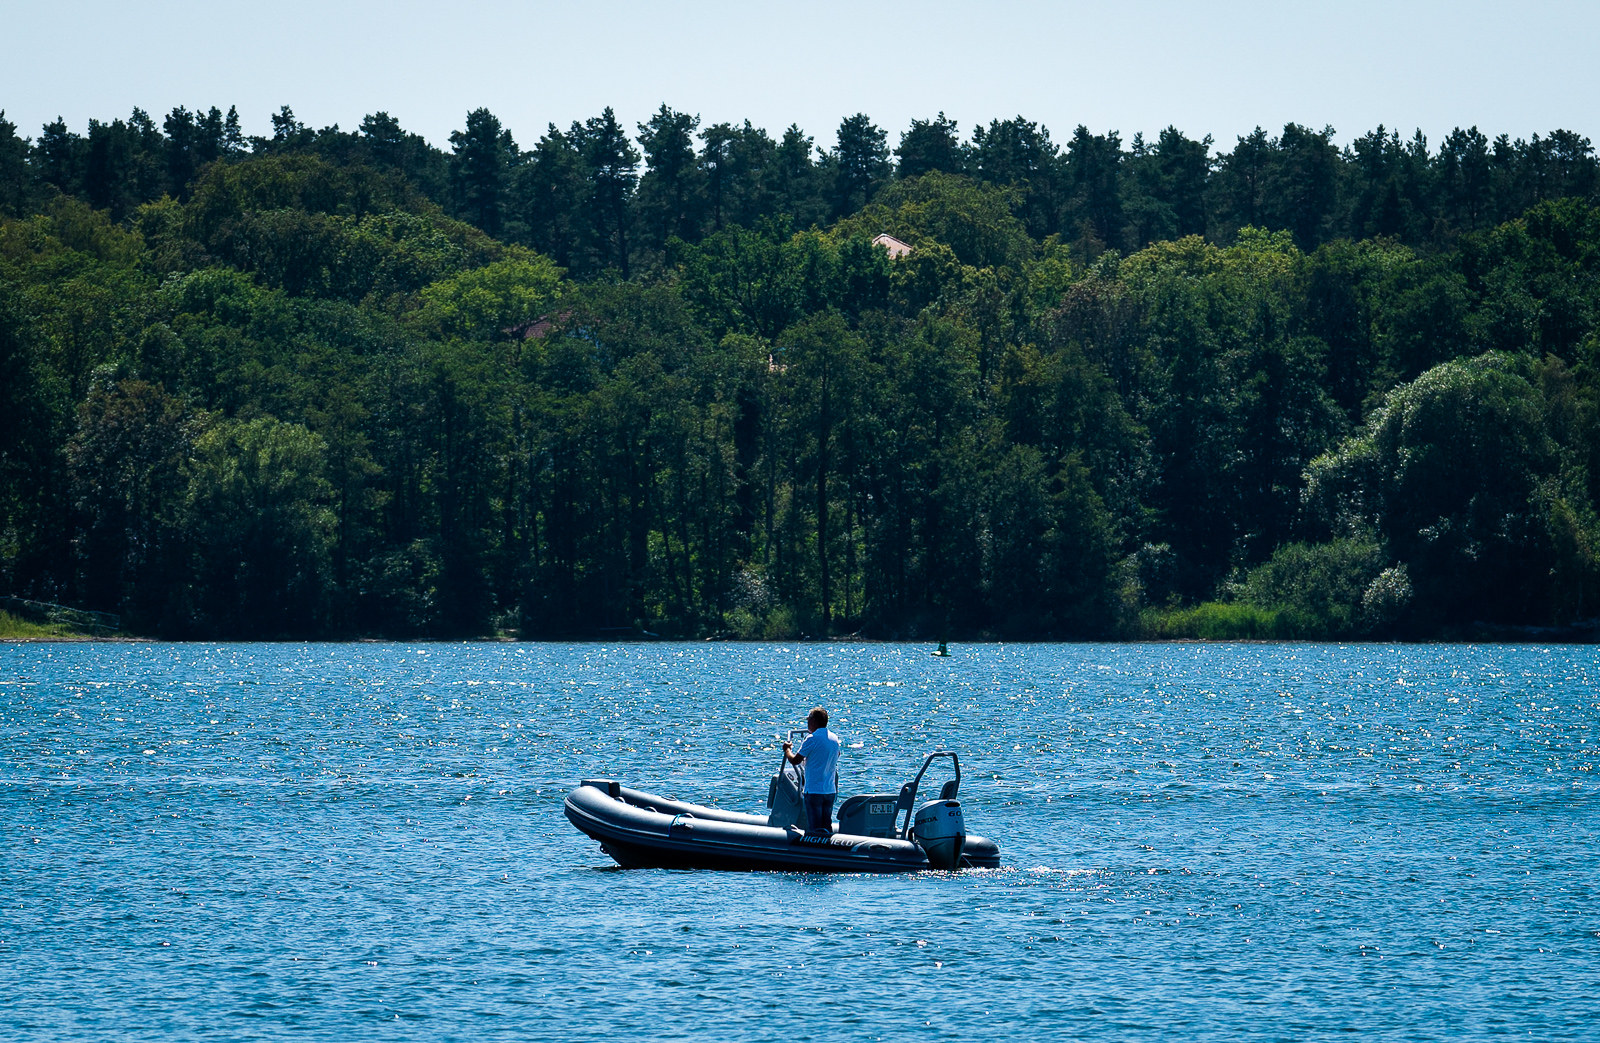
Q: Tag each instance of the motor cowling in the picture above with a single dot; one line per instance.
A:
(941, 832)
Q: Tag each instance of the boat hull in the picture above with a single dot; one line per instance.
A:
(641, 830)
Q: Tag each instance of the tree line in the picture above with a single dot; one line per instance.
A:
(598, 196)
(332, 384)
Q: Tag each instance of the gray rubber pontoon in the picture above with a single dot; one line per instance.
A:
(877, 832)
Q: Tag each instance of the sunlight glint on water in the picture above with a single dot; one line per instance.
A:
(1201, 842)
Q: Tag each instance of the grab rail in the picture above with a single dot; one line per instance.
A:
(908, 792)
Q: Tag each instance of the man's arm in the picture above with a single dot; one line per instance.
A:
(789, 754)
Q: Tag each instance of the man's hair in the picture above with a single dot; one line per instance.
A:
(819, 713)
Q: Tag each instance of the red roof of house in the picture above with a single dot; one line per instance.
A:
(895, 247)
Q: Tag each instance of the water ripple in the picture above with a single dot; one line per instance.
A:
(1201, 842)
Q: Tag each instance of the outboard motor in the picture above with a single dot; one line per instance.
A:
(941, 833)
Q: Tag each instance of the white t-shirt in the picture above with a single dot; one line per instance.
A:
(821, 751)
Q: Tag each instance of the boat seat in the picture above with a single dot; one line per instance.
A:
(869, 815)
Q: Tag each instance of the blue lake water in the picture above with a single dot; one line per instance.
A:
(1201, 842)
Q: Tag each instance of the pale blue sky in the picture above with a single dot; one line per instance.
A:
(1139, 65)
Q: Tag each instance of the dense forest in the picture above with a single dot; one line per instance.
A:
(336, 384)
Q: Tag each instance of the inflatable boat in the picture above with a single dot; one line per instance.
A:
(875, 832)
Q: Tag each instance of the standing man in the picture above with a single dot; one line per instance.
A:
(820, 754)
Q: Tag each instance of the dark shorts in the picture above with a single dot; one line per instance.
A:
(819, 813)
